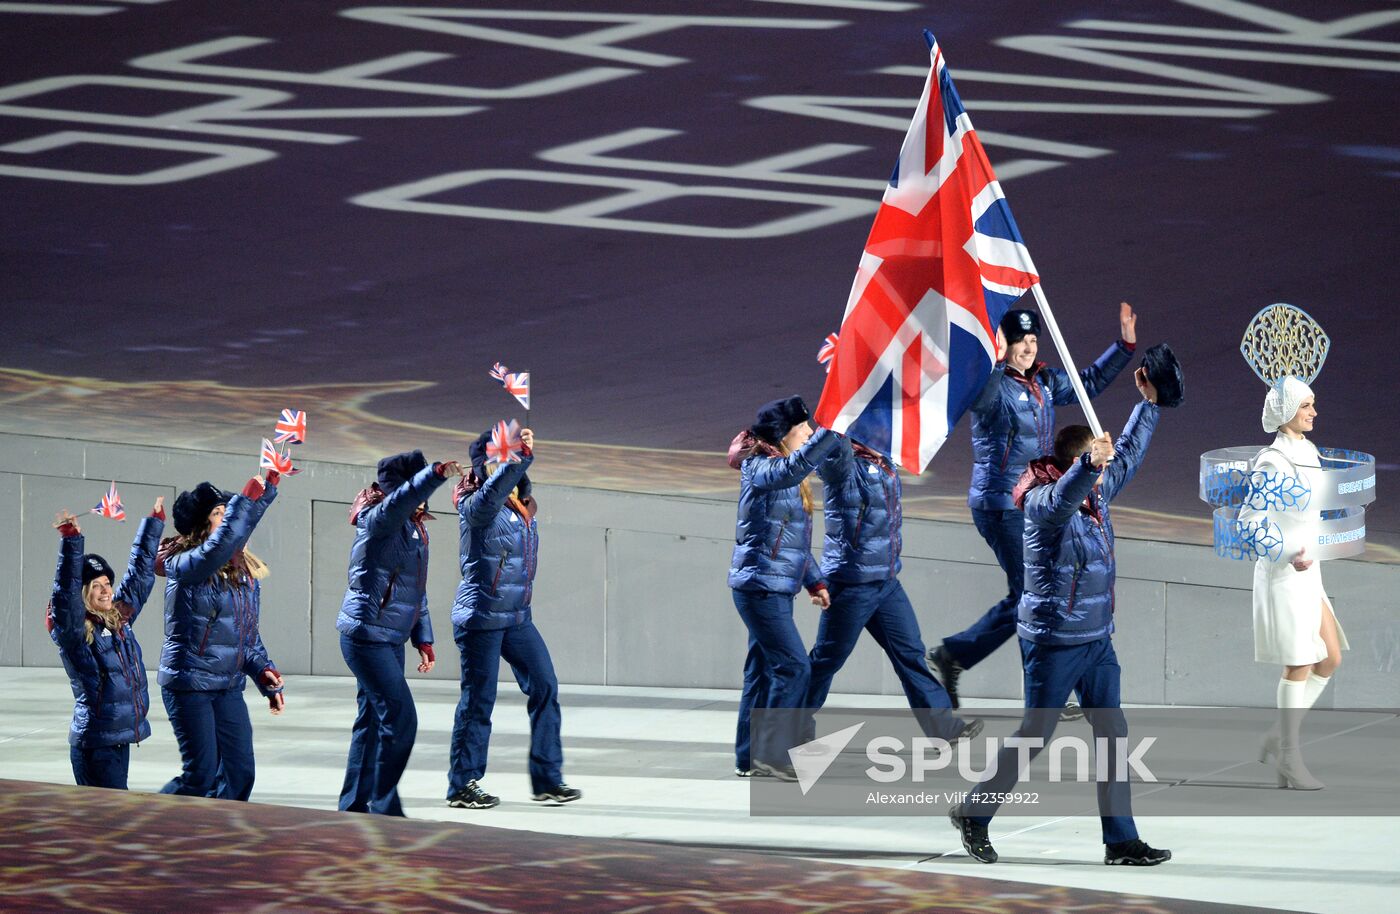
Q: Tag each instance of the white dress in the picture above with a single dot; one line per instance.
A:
(1288, 603)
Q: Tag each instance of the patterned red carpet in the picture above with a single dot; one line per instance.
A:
(70, 848)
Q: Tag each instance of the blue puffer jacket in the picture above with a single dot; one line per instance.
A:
(387, 595)
(863, 515)
(499, 551)
(1013, 421)
(1070, 570)
(108, 678)
(773, 537)
(211, 624)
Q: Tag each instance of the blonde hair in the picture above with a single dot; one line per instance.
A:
(804, 487)
(112, 618)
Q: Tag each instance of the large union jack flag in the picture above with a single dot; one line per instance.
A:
(943, 263)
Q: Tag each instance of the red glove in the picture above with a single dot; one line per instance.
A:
(273, 477)
(271, 680)
(526, 452)
(159, 515)
(254, 489)
(68, 530)
(427, 650)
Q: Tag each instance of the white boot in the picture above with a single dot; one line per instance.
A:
(1292, 704)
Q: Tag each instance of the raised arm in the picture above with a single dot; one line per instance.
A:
(244, 512)
(68, 609)
(785, 472)
(987, 397)
(836, 466)
(482, 506)
(1130, 448)
(389, 515)
(140, 574)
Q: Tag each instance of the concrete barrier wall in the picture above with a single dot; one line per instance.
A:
(631, 588)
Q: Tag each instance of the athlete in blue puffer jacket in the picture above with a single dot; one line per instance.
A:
(1013, 421)
(1069, 538)
(386, 604)
(1066, 623)
(212, 643)
(773, 560)
(491, 622)
(861, 566)
(92, 627)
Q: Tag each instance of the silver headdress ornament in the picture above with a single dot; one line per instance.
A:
(1283, 341)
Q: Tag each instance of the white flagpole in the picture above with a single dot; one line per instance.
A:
(1049, 317)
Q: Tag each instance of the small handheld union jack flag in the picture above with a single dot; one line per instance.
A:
(111, 505)
(518, 386)
(505, 444)
(828, 351)
(291, 427)
(498, 372)
(272, 459)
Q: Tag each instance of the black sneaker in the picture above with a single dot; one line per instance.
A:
(1134, 853)
(765, 770)
(974, 836)
(1072, 711)
(472, 797)
(561, 793)
(943, 666)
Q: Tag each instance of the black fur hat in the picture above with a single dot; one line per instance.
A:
(1018, 323)
(398, 469)
(1164, 371)
(94, 567)
(192, 508)
(776, 418)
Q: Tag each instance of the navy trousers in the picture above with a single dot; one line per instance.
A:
(777, 673)
(381, 739)
(1050, 672)
(103, 766)
(482, 651)
(215, 738)
(1004, 531)
(883, 609)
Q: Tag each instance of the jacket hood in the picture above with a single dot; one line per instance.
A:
(1039, 472)
(745, 445)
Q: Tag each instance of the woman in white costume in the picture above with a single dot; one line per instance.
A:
(1294, 625)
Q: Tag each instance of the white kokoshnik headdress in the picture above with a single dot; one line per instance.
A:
(1286, 347)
